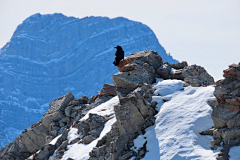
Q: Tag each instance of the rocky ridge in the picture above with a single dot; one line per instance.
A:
(225, 115)
(134, 113)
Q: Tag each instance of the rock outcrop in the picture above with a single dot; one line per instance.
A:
(136, 69)
(226, 107)
(134, 113)
(197, 76)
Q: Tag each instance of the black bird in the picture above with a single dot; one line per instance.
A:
(119, 55)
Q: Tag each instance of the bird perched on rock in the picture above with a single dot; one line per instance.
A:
(119, 55)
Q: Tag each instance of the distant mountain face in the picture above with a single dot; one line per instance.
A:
(50, 55)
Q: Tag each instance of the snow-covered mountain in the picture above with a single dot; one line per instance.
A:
(50, 55)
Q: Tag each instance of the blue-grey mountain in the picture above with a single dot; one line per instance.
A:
(50, 55)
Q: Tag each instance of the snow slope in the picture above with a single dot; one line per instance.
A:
(175, 135)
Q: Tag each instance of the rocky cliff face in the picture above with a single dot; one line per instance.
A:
(51, 55)
(74, 123)
(225, 115)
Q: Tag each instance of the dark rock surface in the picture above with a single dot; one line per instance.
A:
(226, 107)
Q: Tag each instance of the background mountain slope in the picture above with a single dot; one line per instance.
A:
(50, 55)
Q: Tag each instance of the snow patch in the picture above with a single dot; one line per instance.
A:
(175, 134)
(73, 134)
(103, 109)
(139, 142)
(53, 142)
(168, 87)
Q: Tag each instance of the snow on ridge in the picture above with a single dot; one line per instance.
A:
(175, 135)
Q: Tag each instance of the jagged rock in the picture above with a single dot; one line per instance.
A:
(126, 156)
(197, 76)
(226, 109)
(222, 113)
(63, 145)
(88, 139)
(46, 151)
(136, 69)
(207, 132)
(11, 150)
(60, 103)
(56, 108)
(164, 71)
(215, 143)
(68, 110)
(83, 100)
(179, 65)
(150, 57)
(91, 128)
(177, 74)
(33, 139)
(233, 71)
(92, 99)
(234, 122)
(133, 114)
(108, 90)
(232, 134)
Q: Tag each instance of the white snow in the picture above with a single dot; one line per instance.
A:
(73, 134)
(234, 153)
(175, 134)
(81, 151)
(103, 109)
(168, 87)
(53, 142)
(139, 142)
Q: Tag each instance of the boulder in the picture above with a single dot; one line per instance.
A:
(164, 71)
(233, 71)
(150, 57)
(197, 76)
(136, 69)
(60, 103)
(108, 90)
(131, 79)
(179, 65)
